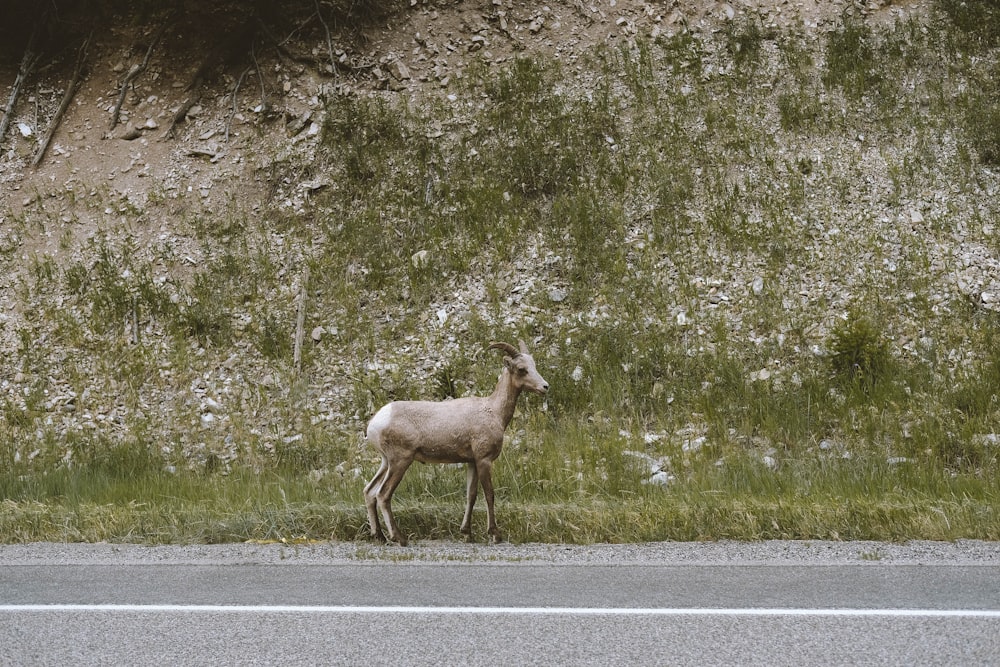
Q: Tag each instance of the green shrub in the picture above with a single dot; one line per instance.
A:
(982, 118)
(745, 41)
(799, 111)
(853, 60)
(859, 351)
(977, 20)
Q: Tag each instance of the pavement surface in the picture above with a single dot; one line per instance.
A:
(768, 603)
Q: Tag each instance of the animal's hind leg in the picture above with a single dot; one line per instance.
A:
(393, 476)
(371, 489)
(471, 488)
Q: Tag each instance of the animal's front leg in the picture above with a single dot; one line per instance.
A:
(485, 469)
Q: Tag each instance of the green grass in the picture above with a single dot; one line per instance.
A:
(773, 327)
(744, 501)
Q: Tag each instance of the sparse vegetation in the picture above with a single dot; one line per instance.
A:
(734, 255)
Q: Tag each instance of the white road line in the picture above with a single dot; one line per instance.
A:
(551, 611)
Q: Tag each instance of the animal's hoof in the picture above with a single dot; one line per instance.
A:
(401, 541)
(496, 538)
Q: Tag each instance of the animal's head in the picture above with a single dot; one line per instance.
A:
(521, 366)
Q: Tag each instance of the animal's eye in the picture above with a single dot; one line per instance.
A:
(522, 371)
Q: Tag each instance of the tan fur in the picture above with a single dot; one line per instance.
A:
(465, 430)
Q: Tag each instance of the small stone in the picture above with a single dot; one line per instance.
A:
(660, 478)
(769, 462)
(317, 334)
(916, 217)
(399, 70)
(314, 185)
(694, 445)
(296, 125)
(757, 285)
(557, 295)
(577, 374)
(988, 439)
(420, 259)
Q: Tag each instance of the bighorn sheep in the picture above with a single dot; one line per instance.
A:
(464, 430)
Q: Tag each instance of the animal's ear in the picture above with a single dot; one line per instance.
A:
(524, 348)
(508, 363)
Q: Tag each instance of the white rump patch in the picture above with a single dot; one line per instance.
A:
(380, 420)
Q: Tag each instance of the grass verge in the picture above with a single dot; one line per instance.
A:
(839, 500)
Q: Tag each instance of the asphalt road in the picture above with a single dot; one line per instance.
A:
(98, 605)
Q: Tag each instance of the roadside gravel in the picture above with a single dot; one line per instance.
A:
(962, 552)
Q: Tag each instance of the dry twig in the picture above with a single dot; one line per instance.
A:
(300, 320)
(218, 55)
(136, 70)
(28, 62)
(71, 88)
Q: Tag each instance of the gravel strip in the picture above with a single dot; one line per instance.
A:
(962, 552)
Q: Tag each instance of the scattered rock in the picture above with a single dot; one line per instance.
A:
(420, 259)
(659, 478)
(399, 70)
(694, 444)
(314, 185)
(296, 125)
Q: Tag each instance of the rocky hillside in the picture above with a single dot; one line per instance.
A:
(249, 229)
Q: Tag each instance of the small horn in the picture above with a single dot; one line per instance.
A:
(506, 347)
